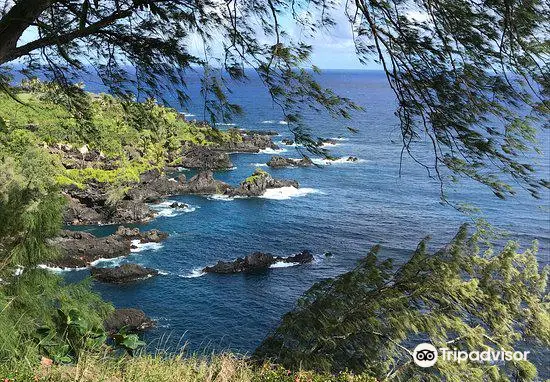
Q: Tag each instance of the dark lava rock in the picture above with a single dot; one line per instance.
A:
(288, 142)
(151, 236)
(179, 205)
(249, 143)
(204, 183)
(134, 320)
(352, 159)
(258, 183)
(77, 213)
(79, 249)
(301, 258)
(154, 185)
(327, 141)
(203, 158)
(129, 211)
(281, 162)
(89, 205)
(123, 274)
(257, 261)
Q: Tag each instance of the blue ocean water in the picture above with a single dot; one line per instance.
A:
(345, 209)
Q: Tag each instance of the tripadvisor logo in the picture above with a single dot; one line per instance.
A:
(426, 355)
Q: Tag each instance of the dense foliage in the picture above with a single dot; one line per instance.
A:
(370, 319)
(134, 136)
(471, 79)
(39, 314)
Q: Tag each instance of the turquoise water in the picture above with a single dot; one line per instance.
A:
(345, 209)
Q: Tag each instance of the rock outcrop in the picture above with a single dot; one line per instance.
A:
(251, 142)
(151, 236)
(91, 205)
(258, 183)
(123, 274)
(204, 183)
(133, 320)
(203, 158)
(257, 261)
(281, 162)
(80, 249)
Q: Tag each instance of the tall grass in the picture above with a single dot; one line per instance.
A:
(226, 367)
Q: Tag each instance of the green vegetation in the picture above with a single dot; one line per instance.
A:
(370, 319)
(134, 136)
(258, 173)
(39, 313)
(163, 368)
(40, 140)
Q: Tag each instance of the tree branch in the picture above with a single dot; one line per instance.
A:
(65, 38)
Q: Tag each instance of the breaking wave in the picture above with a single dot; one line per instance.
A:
(140, 247)
(282, 264)
(197, 272)
(269, 150)
(284, 193)
(343, 160)
(164, 209)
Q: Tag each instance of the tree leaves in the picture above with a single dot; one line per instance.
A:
(369, 319)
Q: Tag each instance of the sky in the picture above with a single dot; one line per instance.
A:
(332, 49)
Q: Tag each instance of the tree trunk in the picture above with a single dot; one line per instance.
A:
(16, 21)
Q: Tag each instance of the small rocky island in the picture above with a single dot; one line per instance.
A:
(125, 273)
(257, 261)
(258, 183)
(281, 162)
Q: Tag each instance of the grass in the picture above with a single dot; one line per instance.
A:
(157, 368)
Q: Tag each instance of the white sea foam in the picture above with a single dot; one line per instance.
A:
(188, 114)
(281, 193)
(223, 198)
(273, 122)
(269, 150)
(115, 261)
(225, 124)
(282, 264)
(163, 273)
(343, 160)
(281, 143)
(330, 144)
(284, 193)
(197, 272)
(144, 246)
(165, 209)
(258, 164)
(59, 269)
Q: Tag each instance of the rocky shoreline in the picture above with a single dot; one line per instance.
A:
(82, 249)
(94, 203)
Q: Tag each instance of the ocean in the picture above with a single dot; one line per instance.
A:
(343, 208)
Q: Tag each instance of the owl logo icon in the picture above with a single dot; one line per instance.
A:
(425, 355)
